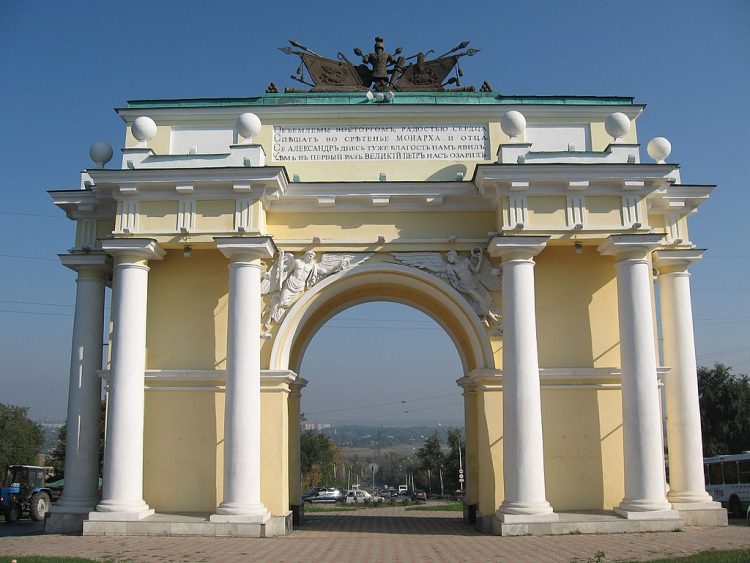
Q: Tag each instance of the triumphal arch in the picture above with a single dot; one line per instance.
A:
(528, 227)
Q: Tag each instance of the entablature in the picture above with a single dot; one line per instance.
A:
(265, 183)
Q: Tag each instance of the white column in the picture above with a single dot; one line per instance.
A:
(242, 501)
(641, 417)
(81, 491)
(523, 449)
(122, 497)
(687, 489)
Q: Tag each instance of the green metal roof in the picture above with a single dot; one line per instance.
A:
(402, 98)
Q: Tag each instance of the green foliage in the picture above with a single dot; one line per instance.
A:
(21, 438)
(725, 410)
(318, 454)
(432, 460)
(56, 457)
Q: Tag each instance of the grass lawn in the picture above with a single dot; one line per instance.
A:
(729, 556)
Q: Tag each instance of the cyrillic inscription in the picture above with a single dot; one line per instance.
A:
(375, 142)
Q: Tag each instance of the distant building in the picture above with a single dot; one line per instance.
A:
(316, 425)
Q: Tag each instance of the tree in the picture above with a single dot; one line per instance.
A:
(318, 454)
(725, 410)
(432, 459)
(56, 457)
(21, 439)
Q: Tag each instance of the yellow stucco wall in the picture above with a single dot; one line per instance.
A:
(187, 311)
(368, 226)
(274, 441)
(582, 445)
(182, 450)
(489, 451)
(576, 307)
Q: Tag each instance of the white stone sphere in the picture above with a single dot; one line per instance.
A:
(101, 153)
(513, 123)
(659, 148)
(144, 128)
(617, 125)
(248, 125)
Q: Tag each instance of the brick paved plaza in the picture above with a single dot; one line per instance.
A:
(385, 534)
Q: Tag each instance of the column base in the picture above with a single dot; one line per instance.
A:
(74, 507)
(516, 508)
(240, 518)
(120, 516)
(668, 514)
(702, 513)
(526, 518)
(690, 497)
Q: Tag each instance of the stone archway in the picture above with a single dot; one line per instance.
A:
(382, 282)
(394, 283)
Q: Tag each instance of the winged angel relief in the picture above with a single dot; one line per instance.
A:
(290, 277)
(471, 276)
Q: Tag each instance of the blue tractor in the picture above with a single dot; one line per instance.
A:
(25, 491)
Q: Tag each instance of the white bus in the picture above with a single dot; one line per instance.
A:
(727, 479)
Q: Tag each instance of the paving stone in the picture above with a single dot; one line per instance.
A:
(383, 534)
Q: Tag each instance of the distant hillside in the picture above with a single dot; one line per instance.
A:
(383, 436)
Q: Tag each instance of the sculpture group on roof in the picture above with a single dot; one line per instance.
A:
(380, 71)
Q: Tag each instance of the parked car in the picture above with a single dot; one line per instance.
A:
(326, 494)
(418, 494)
(357, 496)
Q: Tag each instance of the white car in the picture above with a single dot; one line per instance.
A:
(357, 496)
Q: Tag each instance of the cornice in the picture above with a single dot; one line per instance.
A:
(375, 113)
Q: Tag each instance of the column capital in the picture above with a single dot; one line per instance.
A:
(98, 262)
(238, 248)
(624, 247)
(669, 261)
(516, 248)
(136, 248)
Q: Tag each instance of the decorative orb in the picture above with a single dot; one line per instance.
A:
(513, 123)
(144, 128)
(617, 125)
(101, 153)
(659, 148)
(248, 125)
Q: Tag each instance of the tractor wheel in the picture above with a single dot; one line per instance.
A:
(12, 512)
(39, 506)
(735, 506)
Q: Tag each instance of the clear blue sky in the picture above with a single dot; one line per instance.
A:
(65, 65)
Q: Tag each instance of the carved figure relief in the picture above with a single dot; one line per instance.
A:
(472, 276)
(290, 277)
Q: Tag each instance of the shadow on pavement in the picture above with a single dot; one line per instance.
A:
(387, 524)
(21, 528)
